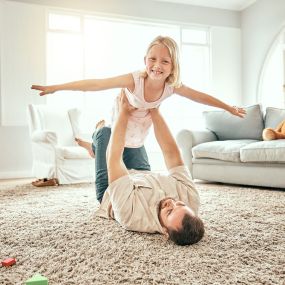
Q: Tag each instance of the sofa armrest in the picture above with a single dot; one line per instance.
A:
(187, 139)
(49, 137)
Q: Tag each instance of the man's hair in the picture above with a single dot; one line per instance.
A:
(192, 231)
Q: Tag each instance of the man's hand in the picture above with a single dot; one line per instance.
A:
(115, 164)
(154, 111)
(124, 105)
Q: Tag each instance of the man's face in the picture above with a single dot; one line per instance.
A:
(171, 212)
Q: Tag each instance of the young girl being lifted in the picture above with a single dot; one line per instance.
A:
(145, 90)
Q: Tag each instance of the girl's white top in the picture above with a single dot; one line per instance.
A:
(140, 120)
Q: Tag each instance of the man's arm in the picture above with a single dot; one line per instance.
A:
(115, 164)
(167, 143)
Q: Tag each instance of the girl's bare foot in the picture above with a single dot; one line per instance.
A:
(88, 145)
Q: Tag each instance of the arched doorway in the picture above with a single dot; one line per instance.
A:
(271, 91)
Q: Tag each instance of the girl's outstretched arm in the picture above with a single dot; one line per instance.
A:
(206, 99)
(122, 81)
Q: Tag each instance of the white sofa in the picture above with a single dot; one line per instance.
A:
(55, 153)
(231, 150)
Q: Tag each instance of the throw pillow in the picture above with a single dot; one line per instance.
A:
(229, 127)
(273, 117)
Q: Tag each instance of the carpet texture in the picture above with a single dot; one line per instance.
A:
(53, 231)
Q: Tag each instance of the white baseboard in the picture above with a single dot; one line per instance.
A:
(15, 174)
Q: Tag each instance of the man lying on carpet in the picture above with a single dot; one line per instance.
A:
(142, 200)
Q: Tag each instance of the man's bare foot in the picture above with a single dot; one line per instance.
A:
(86, 145)
(100, 124)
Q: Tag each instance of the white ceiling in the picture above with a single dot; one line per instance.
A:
(236, 5)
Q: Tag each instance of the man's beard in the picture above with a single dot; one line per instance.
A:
(159, 207)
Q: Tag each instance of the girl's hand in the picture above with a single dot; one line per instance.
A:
(45, 89)
(124, 105)
(239, 112)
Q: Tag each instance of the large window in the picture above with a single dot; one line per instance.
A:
(84, 46)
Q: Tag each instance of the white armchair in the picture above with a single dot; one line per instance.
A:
(55, 152)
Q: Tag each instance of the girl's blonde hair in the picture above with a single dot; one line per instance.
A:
(174, 78)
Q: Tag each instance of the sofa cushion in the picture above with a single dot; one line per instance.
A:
(229, 127)
(273, 117)
(72, 152)
(223, 150)
(264, 151)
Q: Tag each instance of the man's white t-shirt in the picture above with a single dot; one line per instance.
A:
(133, 199)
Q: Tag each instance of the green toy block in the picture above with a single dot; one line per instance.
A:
(37, 279)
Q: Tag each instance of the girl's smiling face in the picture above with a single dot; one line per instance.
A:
(158, 62)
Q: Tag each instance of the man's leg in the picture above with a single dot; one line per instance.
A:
(136, 158)
(87, 145)
(100, 143)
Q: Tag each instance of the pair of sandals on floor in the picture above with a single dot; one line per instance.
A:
(45, 182)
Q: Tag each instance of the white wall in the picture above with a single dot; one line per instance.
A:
(226, 64)
(15, 153)
(1, 36)
(154, 10)
(260, 25)
(22, 60)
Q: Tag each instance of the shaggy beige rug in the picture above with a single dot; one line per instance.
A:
(52, 231)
